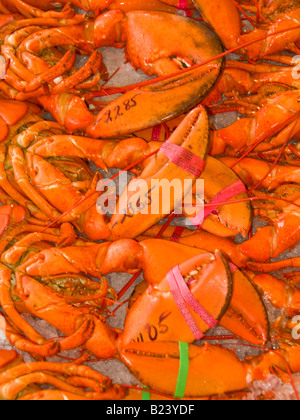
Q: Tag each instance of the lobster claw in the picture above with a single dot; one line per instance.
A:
(10, 113)
(174, 45)
(156, 314)
(212, 369)
(147, 106)
(144, 193)
(246, 318)
(7, 357)
(224, 17)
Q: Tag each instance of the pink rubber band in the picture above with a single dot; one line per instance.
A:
(156, 133)
(197, 333)
(191, 301)
(233, 190)
(182, 296)
(183, 158)
(233, 267)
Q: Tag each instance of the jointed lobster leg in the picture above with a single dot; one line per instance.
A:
(271, 241)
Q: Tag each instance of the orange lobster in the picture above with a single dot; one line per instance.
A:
(140, 106)
(141, 357)
(121, 256)
(29, 169)
(72, 172)
(280, 22)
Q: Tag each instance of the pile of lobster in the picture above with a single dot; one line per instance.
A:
(56, 247)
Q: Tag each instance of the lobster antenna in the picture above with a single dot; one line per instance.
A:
(257, 11)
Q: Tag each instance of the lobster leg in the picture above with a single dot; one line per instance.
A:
(14, 254)
(270, 241)
(212, 369)
(69, 319)
(275, 43)
(8, 306)
(282, 295)
(22, 343)
(105, 154)
(252, 171)
(7, 358)
(141, 107)
(276, 266)
(276, 114)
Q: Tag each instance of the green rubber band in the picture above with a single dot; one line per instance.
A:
(183, 370)
(146, 396)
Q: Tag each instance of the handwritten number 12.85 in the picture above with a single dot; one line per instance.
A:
(118, 111)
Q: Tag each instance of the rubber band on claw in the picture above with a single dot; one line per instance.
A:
(183, 158)
(182, 297)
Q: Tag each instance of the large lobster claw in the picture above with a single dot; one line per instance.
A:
(156, 316)
(175, 43)
(145, 192)
(246, 318)
(212, 369)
